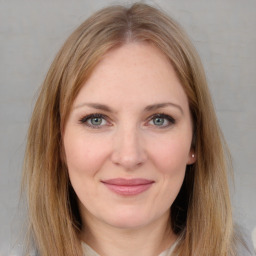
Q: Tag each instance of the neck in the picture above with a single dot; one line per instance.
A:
(148, 240)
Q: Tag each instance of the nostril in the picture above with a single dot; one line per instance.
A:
(128, 161)
(128, 150)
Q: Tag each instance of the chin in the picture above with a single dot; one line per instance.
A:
(128, 219)
(128, 223)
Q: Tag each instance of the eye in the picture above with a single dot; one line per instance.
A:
(161, 120)
(94, 120)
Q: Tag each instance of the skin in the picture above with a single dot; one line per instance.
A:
(129, 142)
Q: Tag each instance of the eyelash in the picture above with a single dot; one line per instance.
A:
(84, 120)
(170, 119)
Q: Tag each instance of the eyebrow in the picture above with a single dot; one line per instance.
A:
(163, 105)
(96, 106)
(148, 108)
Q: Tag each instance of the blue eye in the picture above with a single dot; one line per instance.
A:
(162, 120)
(94, 120)
(159, 121)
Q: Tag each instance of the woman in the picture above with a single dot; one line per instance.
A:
(124, 154)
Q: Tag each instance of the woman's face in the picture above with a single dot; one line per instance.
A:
(128, 139)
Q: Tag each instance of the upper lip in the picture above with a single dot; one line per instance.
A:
(127, 182)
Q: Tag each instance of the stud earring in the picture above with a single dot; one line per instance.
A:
(193, 155)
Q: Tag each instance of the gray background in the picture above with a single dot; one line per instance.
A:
(31, 32)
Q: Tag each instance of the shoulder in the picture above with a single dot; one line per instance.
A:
(243, 242)
(88, 251)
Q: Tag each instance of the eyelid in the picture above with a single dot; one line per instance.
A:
(85, 118)
(168, 117)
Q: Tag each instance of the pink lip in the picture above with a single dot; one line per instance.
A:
(128, 187)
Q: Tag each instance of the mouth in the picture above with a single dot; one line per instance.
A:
(128, 187)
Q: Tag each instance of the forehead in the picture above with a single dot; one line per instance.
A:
(132, 73)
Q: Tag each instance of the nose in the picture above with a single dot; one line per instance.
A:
(128, 148)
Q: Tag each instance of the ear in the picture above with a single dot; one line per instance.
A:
(191, 157)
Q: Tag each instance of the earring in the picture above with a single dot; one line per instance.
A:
(193, 155)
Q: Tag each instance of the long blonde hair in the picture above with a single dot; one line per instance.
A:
(201, 214)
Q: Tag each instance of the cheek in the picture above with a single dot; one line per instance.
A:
(170, 155)
(84, 158)
(84, 155)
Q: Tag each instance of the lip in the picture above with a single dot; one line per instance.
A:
(128, 187)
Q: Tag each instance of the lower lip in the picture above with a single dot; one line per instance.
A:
(128, 190)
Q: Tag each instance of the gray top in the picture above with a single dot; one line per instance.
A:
(88, 251)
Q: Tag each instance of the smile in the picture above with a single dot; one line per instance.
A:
(128, 187)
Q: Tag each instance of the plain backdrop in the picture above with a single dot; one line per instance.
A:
(31, 32)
